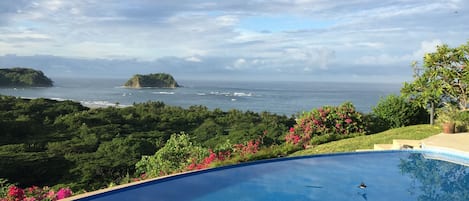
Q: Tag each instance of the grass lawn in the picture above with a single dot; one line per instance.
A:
(417, 132)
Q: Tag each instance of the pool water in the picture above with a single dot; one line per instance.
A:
(396, 175)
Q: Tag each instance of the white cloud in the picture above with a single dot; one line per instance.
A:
(426, 47)
(53, 5)
(405, 59)
(238, 64)
(227, 20)
(380, 60)
(28, 35)
(194, 59)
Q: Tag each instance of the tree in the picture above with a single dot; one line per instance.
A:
(444, 79)
(173, 157)
(396, 111)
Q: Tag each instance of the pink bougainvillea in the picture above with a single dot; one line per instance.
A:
(340, 120)
(212, 157)
(15, 193)
(35, 193)
(64, 193)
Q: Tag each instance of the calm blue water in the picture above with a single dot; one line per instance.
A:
(276, 97)
(388, 176)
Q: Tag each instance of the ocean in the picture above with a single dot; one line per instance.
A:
(288, 98)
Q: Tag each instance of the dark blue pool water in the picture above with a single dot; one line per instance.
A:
(387, 175)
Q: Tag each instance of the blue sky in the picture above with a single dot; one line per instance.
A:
(310, 40)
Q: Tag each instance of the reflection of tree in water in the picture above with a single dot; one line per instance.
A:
(437, 180)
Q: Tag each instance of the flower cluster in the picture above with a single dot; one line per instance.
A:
(342, 120)
(250, 147)
(205, 163)
(35, 193)
(297, 139)
(243, 150)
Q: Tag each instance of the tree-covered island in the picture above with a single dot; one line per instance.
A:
(158, 80)
(23, 77)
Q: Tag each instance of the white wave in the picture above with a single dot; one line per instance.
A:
(58, 99)
(201, 94)
(99, 104)
(163, 92)
(28, 97)
(241, 94)
(220, 93)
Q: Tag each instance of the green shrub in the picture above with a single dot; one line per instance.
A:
(462, 121)
(374, 124)
(4, 185)
(395, 111)
(173, 157)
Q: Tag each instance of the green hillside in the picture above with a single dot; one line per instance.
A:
(23, 77)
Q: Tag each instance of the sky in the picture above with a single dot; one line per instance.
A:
(259, 40)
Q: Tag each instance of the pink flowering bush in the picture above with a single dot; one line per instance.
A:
(63, 193)
(35, 193)
(15, 193)
(242, 150)
(207, 161)
(330, 120)
(295, 138)
(249, 147)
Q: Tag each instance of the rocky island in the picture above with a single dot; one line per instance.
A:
(158, 80)
(23, 77)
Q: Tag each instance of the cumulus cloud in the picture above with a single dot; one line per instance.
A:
(238, 64)
(402, 59)
(193, 59)
(380, 60)
(426, 47)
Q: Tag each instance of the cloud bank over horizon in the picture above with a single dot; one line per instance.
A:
(316, 40)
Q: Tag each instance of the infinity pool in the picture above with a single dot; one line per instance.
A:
(395, 175)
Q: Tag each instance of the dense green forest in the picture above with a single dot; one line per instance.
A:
(23, 77)
(48, 142)
(160, 80)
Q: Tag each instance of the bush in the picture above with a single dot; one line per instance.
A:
(395, 111)
(462, 121)
(175, 156)
(374, 124)
(327, 120)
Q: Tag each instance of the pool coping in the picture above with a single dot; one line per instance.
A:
(458, 157)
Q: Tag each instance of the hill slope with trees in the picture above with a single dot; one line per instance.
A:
(48, 142)
(23, 77)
